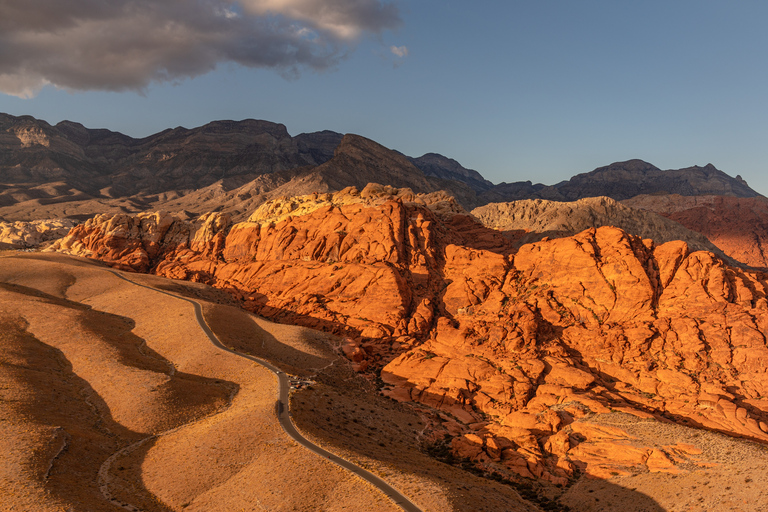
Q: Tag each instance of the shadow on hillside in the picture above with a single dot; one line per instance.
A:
(739, 400)
(474, 235)
(58, 399)
(519, 237)
(595, 495)
(236, 329)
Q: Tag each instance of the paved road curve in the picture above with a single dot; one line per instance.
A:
(283, 411)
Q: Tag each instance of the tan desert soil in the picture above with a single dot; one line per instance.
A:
(70, 207)
(729, 475)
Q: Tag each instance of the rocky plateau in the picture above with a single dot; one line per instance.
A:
(530, 220)
(22, 235)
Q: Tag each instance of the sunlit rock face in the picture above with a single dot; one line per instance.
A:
(22, 234)
(509, 347)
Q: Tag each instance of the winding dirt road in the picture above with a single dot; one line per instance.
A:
(282, 408)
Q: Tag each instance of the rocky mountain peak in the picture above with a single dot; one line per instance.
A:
(634, 165)
(362, 148)
(623, 180)
(439, 166)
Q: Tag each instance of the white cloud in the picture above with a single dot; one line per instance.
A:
(228, 13)
(400, 51)
(345, 19)
(21, 85)
(127, 44)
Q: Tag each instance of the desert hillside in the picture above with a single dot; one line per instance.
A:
(568, 347)
(103, 403)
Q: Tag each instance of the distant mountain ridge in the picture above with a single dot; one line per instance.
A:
(439, 166)
(102, 162)
(70, 171)
(624, 180)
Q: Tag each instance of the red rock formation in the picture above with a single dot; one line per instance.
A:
(512, 350)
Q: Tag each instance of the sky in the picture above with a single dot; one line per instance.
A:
(535, 90)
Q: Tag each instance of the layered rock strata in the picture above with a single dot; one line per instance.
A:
(514, 350)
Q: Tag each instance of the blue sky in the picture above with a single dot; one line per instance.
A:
(516, 90)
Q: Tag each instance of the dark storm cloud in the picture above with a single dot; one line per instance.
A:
(126, 44)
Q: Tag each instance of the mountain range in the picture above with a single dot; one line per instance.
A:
(70, 171)
(69, 163)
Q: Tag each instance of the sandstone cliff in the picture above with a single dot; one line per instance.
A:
(510, 348)
(736, 225)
